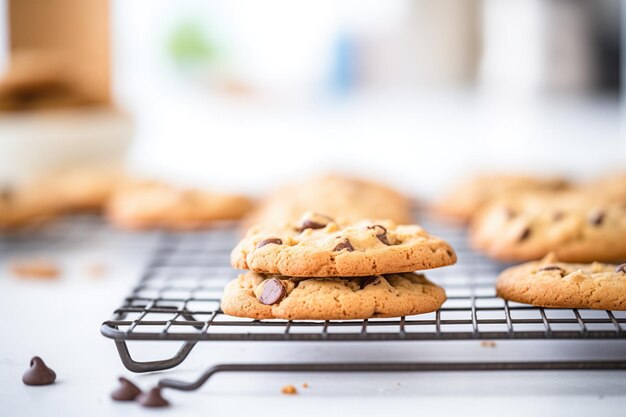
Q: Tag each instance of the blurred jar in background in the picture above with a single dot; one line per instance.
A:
(56, 109)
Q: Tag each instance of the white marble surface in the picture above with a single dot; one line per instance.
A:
(60, 321)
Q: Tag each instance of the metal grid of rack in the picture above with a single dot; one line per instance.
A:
(178, 299)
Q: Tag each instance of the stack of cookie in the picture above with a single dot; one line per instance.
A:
(321, 269)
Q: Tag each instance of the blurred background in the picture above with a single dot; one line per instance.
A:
(242, 95)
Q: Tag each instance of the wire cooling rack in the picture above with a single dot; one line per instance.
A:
(178, 299)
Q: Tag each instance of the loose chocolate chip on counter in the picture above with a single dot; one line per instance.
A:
(39, 373)
(369, 280)
(525, 234)
(597, 218)
(273, 240)
(381, 233)
(314, 221)
(621, 268)
(152, 398)
(344, 245)
(273, 292)
(127, 391)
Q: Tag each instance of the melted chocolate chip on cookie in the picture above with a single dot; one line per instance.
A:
(557, 216)
(369, 281)
(344, 245)
(273, 241)
(273, 292)
(509, 213)
(6, 194)
(552, 268)
(597, 218)
(381, 233)
(525, 234)
(314, 221)
(621, 268)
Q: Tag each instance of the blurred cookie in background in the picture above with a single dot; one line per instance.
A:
(81, 189)
(348, 198)
(462, 201)
(23, 205)
(144, 204)
(577, 226)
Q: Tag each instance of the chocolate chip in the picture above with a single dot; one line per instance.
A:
(39, 373)
(369, 280)
(381, 233)
(597, 218)
(273, 240)
(152, 398)
(509, 212)
(558, 216)
(344, 245)
(525, 234)
(621, 268)
(127, 391)
(551, 268)
(273, 292)
(6, 194)
(314, 221)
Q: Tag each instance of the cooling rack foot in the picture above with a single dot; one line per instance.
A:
(392, 367)
(150, 366)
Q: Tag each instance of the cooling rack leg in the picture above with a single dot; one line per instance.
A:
(134, 366)
(392, 367)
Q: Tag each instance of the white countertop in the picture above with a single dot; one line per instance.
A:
(60, 322)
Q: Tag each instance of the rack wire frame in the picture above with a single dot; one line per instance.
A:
(178, 299)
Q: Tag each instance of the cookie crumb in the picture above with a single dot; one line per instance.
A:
(35, 268)
(488, 344)
(305, 385)
(289, 390)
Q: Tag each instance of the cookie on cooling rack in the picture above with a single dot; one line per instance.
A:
(550, 283)
(576, 226)
(319, 246)
(464, 200)
(259, 296)
(151, 204)
(336, 196)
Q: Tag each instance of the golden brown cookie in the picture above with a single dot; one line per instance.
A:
(260, 296)
(319, 246)
(550, 283)
(337, 196)
(466, 198)
(151, 204)
(577, 227)
(24, 205)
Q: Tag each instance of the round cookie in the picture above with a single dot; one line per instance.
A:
(466, 198)
(260, 296)
(577, 227)
(549, 283)
(320, 247)
(336, 196)
(147, 204)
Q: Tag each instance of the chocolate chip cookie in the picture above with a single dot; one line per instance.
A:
(337, 196)
(150, 204)
(24, 205)
(466, 198)
(576, 226)
(550, 283)
(319, 246)
(261, 296)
